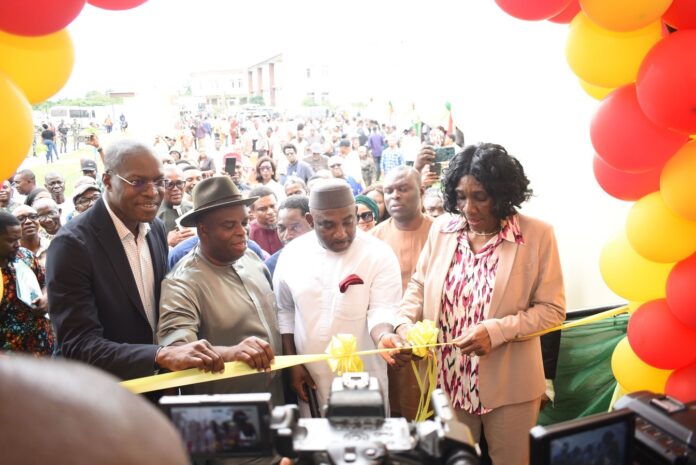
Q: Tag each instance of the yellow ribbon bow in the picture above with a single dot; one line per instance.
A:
(341, 350)
(423, 336)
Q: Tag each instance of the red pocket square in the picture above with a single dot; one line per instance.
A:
(349, 281)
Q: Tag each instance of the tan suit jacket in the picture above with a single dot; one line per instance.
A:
(528, 296)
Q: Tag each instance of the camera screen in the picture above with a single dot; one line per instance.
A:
(605, 445)
(218, 430)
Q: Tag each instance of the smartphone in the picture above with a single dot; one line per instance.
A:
(444, 154)
(436, 168)
(230, 165)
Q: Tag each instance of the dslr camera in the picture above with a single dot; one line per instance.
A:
(355, 431)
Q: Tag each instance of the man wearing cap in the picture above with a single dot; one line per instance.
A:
(88, 167)
(299, 168)
(336, 280)
(317, 160)
(84, 196)
(221, 292)
(336, 165)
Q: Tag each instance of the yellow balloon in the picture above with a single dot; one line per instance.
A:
(606, 58)
(624, 15)
(633, 374)
(658, 234)
(677, 184)
(40, 66)
(593, 91)
(633, 306)
(628, 274)
(16, 127)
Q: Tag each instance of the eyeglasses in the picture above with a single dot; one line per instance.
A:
(84, 200)
(265, 168)
(174, 184)
(48, 216)
(365, 217)
(31, 216)
(141, 184)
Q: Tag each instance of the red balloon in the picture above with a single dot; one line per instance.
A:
(666, 84)
(624, 185)
(37, 17)
(681, 294)
(116, 4)
(681, 14)
(681, 384)
(533, 10)
(659, 339)
(626, 139)
(567, 15)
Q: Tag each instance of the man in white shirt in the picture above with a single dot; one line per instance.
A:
(337, 280)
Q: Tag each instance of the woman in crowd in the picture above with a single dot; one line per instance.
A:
(488, 277)
(367, 211)
(266, 175)
(376, 193)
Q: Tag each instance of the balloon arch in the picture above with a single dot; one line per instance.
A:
(637, 56)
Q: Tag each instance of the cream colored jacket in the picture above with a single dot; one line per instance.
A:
(528, 296)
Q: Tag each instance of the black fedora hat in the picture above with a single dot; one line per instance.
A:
(212, 193)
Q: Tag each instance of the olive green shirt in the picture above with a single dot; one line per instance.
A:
(224, 305)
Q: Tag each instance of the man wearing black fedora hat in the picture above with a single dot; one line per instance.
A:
(221, 291)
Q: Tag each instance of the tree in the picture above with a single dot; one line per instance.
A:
(257, 100)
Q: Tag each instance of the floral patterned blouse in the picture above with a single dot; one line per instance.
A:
(20, 330)
(466, 298)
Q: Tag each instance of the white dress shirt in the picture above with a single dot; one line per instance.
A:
(310, 305)
(140, 261)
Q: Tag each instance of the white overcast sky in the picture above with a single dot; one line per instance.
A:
(507, 80)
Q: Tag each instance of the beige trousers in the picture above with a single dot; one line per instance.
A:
(507, 431)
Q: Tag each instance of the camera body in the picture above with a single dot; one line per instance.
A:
(355, 429)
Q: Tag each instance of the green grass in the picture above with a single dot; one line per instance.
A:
(68, 166)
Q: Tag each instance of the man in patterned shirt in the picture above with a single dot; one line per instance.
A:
(23, 323)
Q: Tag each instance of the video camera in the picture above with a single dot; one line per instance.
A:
(355, 430)
(645, 429)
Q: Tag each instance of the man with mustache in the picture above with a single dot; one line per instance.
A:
(221, 292)
(104, 270)
(336, 280)
(264, 228)
(174, 205)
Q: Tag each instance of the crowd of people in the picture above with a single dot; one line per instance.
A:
(173, 257)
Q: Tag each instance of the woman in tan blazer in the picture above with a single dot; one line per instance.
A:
(488, 277)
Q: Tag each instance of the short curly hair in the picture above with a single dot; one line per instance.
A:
(501, 175)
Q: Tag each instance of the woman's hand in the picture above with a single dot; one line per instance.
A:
(475, 341)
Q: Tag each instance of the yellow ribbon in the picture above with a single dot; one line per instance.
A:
(342, 353)
(582, 321)
(424, 334)
(341, 356)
